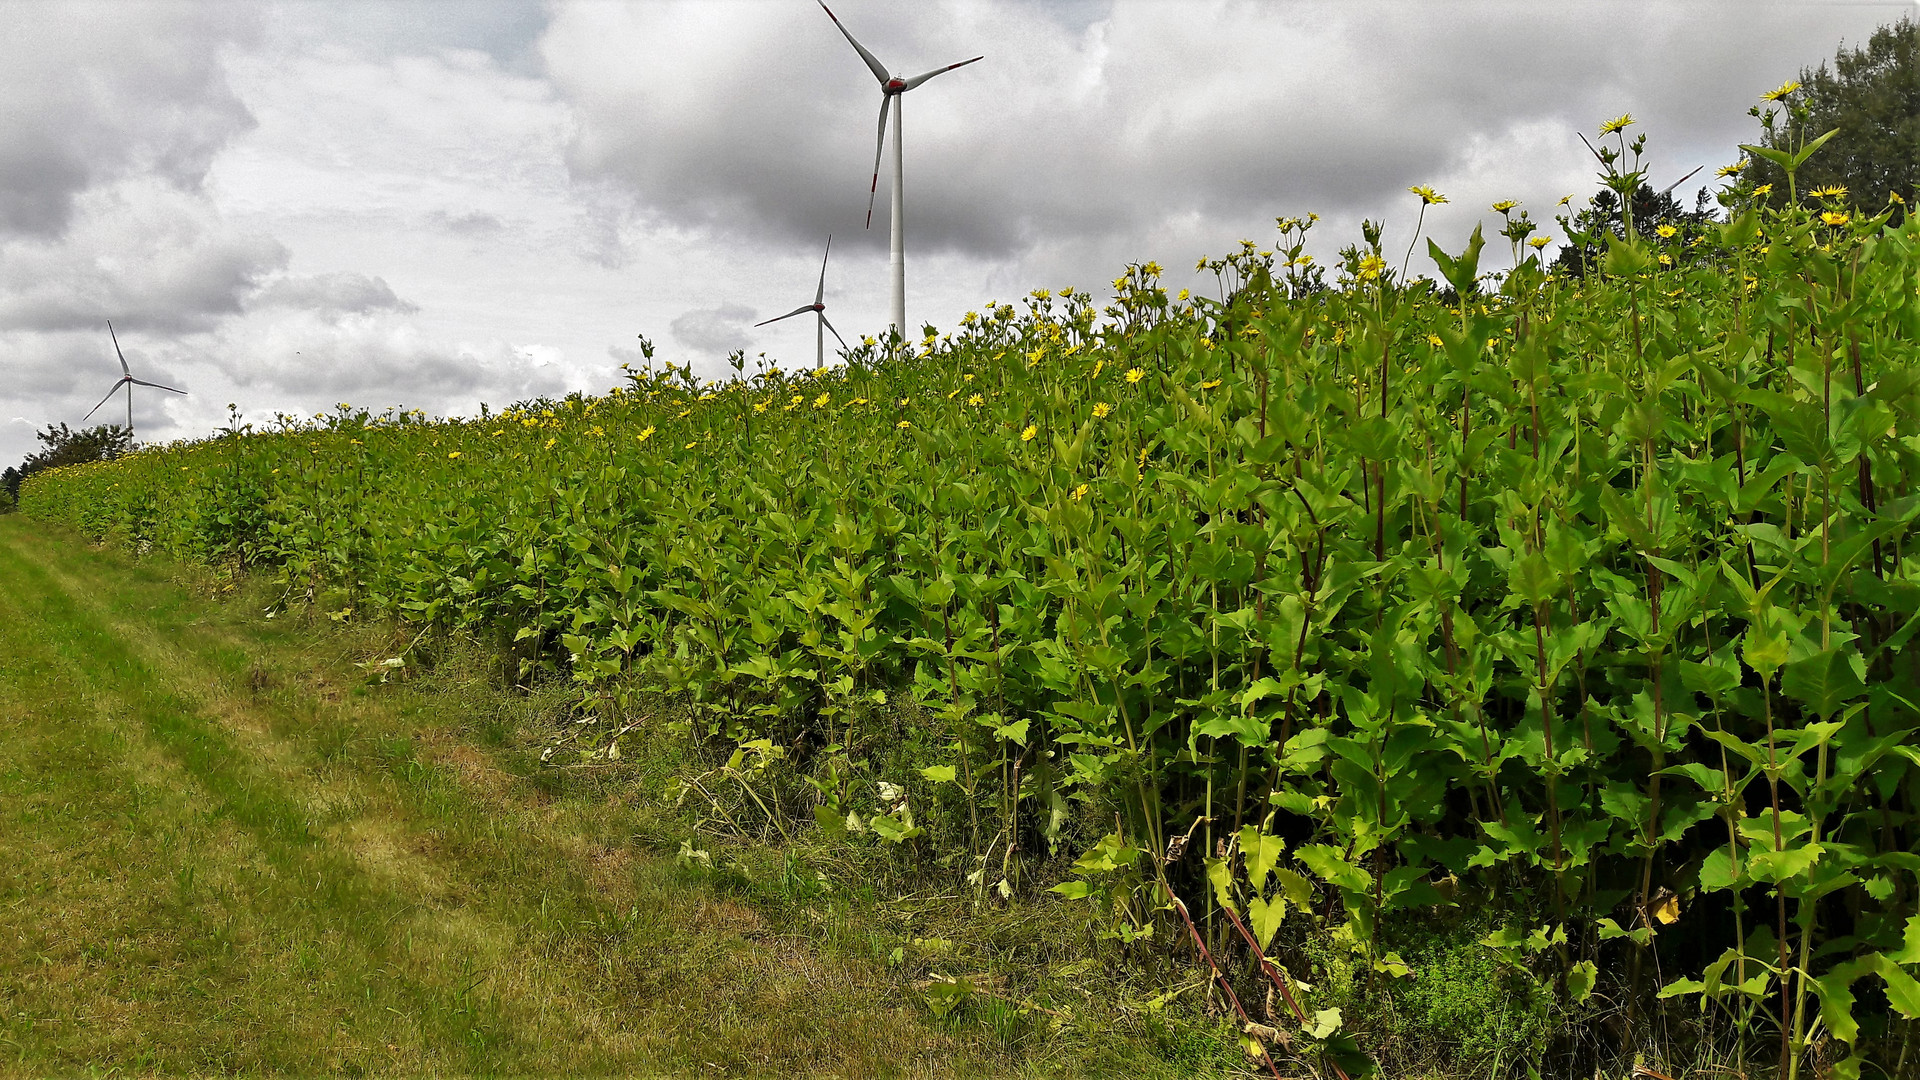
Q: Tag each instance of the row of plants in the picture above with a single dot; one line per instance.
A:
(1270, 622)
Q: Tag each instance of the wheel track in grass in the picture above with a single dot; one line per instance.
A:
(449, 926)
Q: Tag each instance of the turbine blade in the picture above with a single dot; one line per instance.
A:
(873, 62)
(918, 79)
(879, 145)
(116, 349)
(836, 333)
(1682, 180)
(155, 385)
(820, 294)
(117, 384)
(788, 315)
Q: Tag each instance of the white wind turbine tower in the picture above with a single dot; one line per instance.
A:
(818, 307)
(891, 88)
(127, 380)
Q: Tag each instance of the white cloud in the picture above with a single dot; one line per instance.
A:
(98, 92)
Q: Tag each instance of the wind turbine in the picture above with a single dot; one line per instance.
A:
(891, 87)
(818, 307)
(127, 380)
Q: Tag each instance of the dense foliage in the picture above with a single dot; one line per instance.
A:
(1587, 604)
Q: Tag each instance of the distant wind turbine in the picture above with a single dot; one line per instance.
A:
(127, 380)
(818, 307)
(891, 87)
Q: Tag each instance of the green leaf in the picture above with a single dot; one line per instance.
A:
(1220, 876)
(1073, 889)
(1331, 866)
(830, 822)
(1824, 682)
(1262, 852)
(1325, 1023)
(940, 774)
(1581, 978)
(1265, 917)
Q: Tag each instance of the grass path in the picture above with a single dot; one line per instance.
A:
(223, 855)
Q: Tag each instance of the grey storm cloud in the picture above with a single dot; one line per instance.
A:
(758, 120)
(97, 91)
(139, 253)
(715, 331)
(341, 293)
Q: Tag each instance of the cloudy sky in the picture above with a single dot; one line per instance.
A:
(444, 202)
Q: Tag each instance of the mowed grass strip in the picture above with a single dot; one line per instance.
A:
(233, 859)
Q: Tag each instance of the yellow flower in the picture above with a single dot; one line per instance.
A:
(1101, 409)
(1504, 205)
(453, 456)
(1434, 340)
(968, 377)
(1762, 191)
(1666, 232)
(690, 445)
(1565, 199)
(1027, 434)
(1617, 124)
(1539, 242)
(823, 400)
(760, 406)
(1428, 196)
(1665, 259)
(549, 445)
(1786, 88)
(1142, 459)
(1371, 267)
(858, 401)
(904, 425)
(975, 399)
(647, 433)
(1079, 493)
(1832, 192)
(1834, 217)
(684, 413)
(1134, 375)
(1731, 170)
(1210, 384)
(1098, 366)
(597, 430)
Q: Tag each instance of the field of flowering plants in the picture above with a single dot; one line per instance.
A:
(1580, 605)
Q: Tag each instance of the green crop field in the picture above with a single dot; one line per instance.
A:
(1528, 671)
